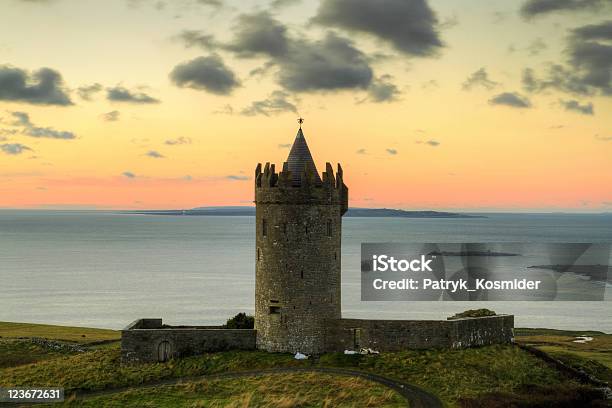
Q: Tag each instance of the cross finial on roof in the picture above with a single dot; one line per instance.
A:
(300, 121)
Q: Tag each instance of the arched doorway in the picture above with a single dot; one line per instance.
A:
(164, 351)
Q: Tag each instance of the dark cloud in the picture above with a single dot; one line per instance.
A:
(121, 94)
(276, 103)
(411, 26)
(302, 65)
(512, 99)
(14, 148)
(42, 87)
(178, 141)
(87, 91)
(238, 178)
(588, 70)
(327, 65)
(205, 73)
(111, 116)
(361, 151)
(128, 174)
(392, 152)
(155, 154)
(195, 38)
(383, 90)
(574, 105)
(479, 78)
(535, 8)
(431, 142)
(22, 120)
(259, 33)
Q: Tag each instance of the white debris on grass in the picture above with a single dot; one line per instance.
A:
(300, 356)
(350, 352)
(367, 350)
(583, 339)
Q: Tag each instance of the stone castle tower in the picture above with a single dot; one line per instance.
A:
(299, 225)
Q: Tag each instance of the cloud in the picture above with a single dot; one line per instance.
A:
(195, 38)
(326, 65)
(603, 138)
(259, 33)
(121, 94)
(392, 152)
(574, 105)
(383, 90)
(155, 154)
(128, 174)
(211, 3)
(511, 99)
(283, 3)
(284, 146)
(42, 87)
(536, 8)
(111, 116)
(302, 65)
(410, 26)
(431, 142)
(361, 151)
(187, 178)
(205, 73)
(178, 141)
(479, 78)
(536, 47)
(238, 178)
(276, 103)
(588, 70)
(28, 128)
(87, 91)
(13, 148)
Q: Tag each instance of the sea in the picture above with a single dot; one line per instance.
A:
(106, 269)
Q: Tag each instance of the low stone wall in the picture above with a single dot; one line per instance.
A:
(148, 340)
(397, 335)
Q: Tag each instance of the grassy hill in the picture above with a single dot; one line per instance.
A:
(467, 378)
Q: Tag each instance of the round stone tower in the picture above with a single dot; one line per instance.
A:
(297, 274)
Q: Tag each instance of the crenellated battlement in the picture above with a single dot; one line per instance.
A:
(308, 188)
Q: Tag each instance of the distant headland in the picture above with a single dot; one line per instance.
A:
(352, 212)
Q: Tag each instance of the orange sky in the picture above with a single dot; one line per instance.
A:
(443, 137)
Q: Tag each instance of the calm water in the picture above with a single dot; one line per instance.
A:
(105, 269)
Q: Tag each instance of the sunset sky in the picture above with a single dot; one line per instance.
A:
(450, 105)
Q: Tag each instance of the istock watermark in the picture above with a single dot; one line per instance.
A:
(485, 271)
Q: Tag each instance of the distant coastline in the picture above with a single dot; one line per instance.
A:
(352, 212)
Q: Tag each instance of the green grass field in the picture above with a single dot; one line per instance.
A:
(274, 391)
(457, 377)
(62, 333)
(594, 357)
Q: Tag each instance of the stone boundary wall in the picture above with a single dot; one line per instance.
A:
(397, 335)
(148, 340)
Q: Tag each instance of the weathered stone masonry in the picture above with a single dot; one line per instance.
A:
(148, 340)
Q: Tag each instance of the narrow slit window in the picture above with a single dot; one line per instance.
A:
(275, 309)
(329, 228)
(264, 227)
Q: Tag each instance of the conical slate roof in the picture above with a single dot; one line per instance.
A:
(299, 157)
